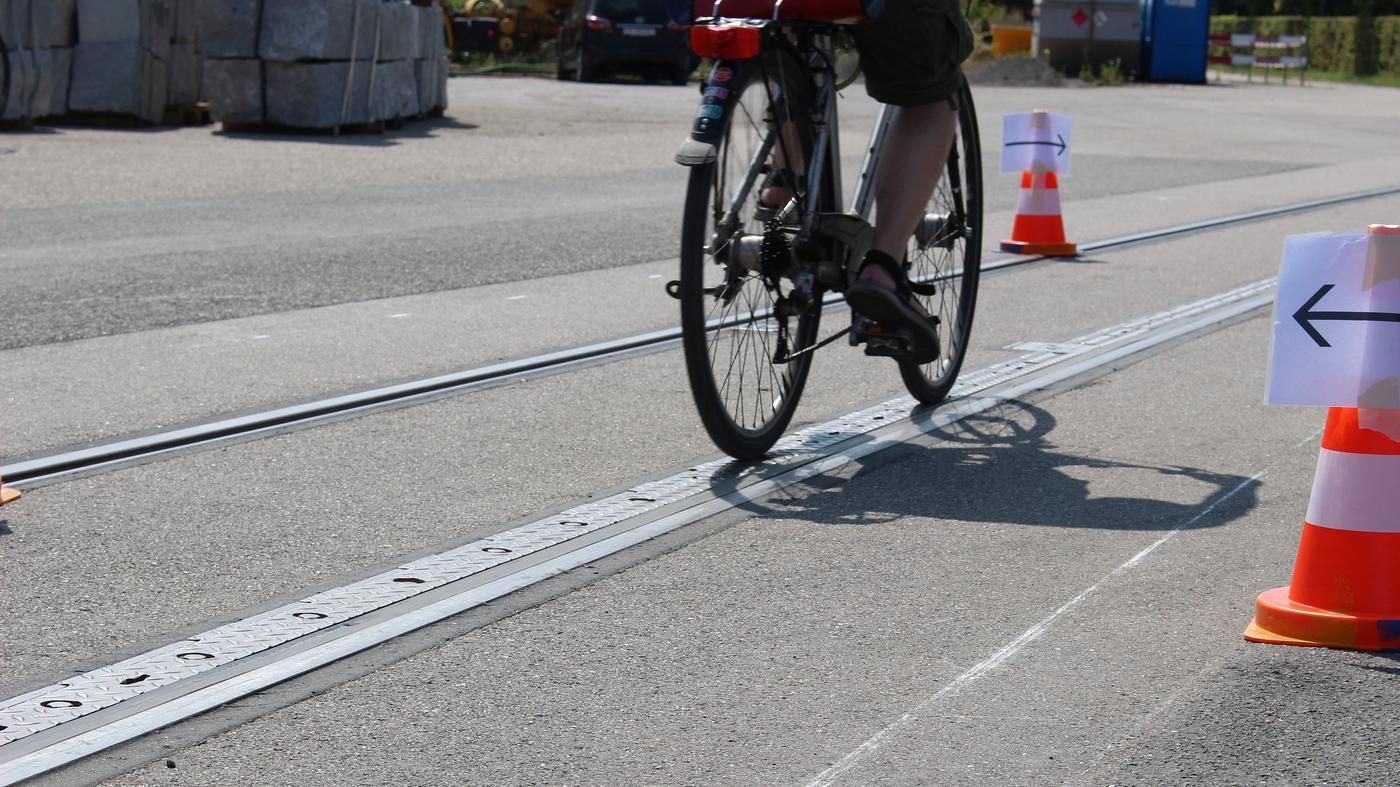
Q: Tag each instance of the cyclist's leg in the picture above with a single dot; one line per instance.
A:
(911, 58)
(911, 163)
(789, 164)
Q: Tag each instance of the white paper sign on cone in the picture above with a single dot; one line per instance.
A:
(1038, 141)
(1336, 339)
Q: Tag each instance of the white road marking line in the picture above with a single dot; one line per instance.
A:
(517, 297)
(1312, 438)
(398, 316)
(873, 743)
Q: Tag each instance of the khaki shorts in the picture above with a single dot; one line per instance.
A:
(911, 55)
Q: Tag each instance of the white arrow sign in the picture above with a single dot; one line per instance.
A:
(1337, 321)
(1038, 141)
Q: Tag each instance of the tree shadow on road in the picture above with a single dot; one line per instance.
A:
(1000, 466)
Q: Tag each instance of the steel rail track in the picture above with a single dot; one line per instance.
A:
(43, 469)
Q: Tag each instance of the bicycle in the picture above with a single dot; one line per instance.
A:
(755, 280)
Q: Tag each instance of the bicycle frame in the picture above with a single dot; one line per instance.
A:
(852, 229)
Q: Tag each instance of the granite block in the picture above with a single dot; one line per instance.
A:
(319, 95)
(234, 90)
(227, 28)
(109, 21)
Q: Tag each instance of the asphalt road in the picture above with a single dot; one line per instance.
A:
(175, 227)
(861, 628)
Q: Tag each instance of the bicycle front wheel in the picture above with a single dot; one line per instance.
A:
(739, 321)
(946, 252)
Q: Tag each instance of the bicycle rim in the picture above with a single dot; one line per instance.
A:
(729, 315)
(946, 251)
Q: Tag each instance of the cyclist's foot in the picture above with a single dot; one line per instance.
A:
(774, 195)
(881, 294)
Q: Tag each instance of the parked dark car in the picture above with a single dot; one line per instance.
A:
(602, 37)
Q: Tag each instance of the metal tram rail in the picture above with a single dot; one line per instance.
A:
(108, 455)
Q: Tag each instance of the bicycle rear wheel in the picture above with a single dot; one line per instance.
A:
(739, 314)
(946, 251)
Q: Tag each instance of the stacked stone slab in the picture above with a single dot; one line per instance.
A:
(39, 37)
(321, 64)
(136, 58)
(186, 61)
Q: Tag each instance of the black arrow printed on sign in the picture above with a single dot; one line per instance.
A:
(1306, 317)
(1061, 144)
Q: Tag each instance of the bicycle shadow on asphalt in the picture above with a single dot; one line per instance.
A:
(999, 466)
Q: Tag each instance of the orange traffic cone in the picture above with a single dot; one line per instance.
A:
(1039, 227)
(1346, 589)
(8, 495)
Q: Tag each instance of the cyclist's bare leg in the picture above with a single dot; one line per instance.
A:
(916, 148)
(786, 157)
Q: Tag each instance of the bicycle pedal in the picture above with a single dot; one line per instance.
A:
(899, 346)
(881, 341)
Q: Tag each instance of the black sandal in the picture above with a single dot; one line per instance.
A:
(894, 308)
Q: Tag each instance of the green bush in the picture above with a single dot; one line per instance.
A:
(1388, 44)
(1332, 43)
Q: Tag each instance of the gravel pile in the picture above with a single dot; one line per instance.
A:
(1015, 71)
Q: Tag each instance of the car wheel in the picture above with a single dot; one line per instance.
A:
(584, 71)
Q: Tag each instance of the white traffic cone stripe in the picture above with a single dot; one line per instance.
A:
(1356, 492)
(1039, 202)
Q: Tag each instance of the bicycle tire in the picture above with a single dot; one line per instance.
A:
(727, 311)
(938, 246)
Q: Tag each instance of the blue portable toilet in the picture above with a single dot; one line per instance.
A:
(1174, 40)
